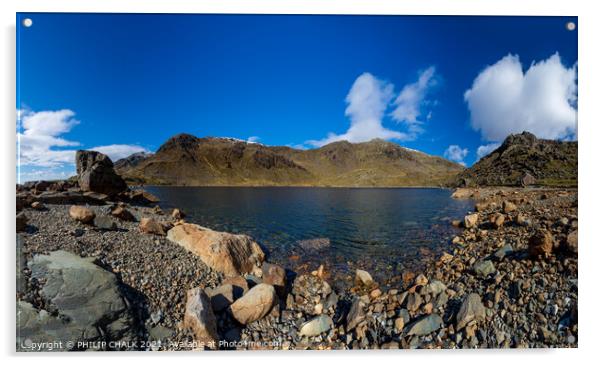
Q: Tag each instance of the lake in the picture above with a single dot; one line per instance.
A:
(382, 230)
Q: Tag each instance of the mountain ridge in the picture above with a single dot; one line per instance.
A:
(220, 161)
(523, 159)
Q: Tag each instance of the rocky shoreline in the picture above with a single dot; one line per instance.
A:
(153, 281)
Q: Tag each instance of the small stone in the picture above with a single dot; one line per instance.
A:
(21, 221)
(151, 226)
(356, 314)
(363, 278)
(81, 214)
(508, 207)
(425, 325)
(497, 220)
(104, 223)
(571, 243)
(472, 309)
(177, 214)
(274, 275)
(399, 323)
(421, 280)
(123, 214)
(471, 220)
(317, 325)
(37, 206)
(503, 252)
(541, 244)
(375, 293)
(484, 268)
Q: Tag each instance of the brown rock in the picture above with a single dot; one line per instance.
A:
(363, 277)
(421, 280)
(123, 214)
(199, 317)
(151, 226)
(221, 297)
(497, 220)
(239, 283)
(541, 243)
(508, 206)
(571, 243)
(177, 214)
(274, 275)
(471, 220)
(230, 254)
(254, 305)
(81, 214)
(37, 206)
(21, 222)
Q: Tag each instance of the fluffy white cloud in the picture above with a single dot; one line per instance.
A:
(503, 99)
(40, 135)
(411, 98)
(456, 153)
(366, 104)
(486, 149)
(369, 99)
(253, 139)
(40, 143)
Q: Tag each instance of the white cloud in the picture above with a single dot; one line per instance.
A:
(40, 143)
(40, 136)
(118, 151)
(253, 139)
(369, 99)
(366, 104)
(456, 153)
(410, 100)
(484, 150)
(503, 99)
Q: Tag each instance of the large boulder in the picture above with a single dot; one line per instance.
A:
(95, 173)
(230, 254)
(199, 317)
(254, 305)
(86, 299)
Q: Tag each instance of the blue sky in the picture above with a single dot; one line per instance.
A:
(443, 85)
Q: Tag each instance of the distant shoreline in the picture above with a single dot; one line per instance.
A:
(293, 186)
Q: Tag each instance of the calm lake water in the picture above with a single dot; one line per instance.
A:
(382, 230)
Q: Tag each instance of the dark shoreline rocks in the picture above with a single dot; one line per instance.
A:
(488, 291)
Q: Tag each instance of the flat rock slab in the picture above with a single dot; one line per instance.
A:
(87, 298)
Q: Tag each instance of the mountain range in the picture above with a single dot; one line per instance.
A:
(522, 159)
(187, 160)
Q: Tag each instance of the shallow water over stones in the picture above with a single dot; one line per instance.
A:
(383, 230)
